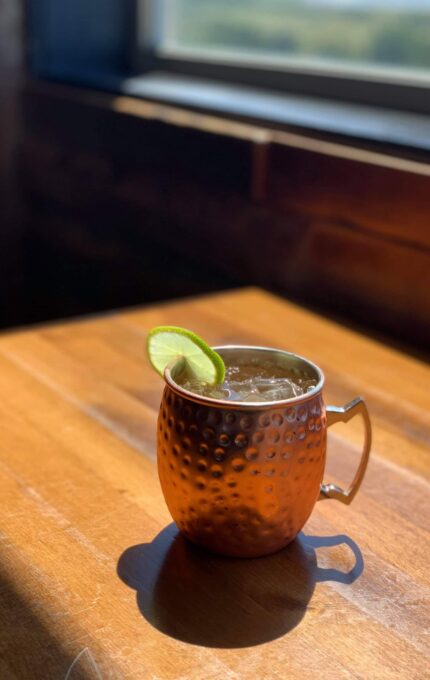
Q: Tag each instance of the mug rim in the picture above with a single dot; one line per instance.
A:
(247, 405)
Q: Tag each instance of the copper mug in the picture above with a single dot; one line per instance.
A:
(242, 478)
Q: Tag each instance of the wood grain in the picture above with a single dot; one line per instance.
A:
(89, 559)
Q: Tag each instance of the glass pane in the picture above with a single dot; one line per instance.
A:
(393, 33)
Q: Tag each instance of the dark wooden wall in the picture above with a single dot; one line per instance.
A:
(108, 201)
(65, 245)
(126, 191)
(11, 213)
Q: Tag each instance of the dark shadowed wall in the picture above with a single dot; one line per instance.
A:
(11, 253)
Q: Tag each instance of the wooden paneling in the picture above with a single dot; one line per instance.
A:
(339, 228)
(11, 204)
(381, 201)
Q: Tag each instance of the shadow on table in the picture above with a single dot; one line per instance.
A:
(216, 601)
(30, 649)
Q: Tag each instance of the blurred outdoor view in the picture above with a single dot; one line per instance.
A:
(379, 32)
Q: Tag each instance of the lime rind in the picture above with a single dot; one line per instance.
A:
(165, 343)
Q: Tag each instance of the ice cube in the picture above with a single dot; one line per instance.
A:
(253, 382)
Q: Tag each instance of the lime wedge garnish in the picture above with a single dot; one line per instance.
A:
(167, 343)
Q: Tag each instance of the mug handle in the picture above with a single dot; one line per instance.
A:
(341, 414)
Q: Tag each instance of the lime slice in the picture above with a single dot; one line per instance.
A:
(167, 343)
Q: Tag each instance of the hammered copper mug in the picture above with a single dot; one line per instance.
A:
(242, 478)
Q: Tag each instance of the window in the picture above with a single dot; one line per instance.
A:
(387, 33)
(371, 51)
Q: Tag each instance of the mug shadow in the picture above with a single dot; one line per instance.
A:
(223, 602)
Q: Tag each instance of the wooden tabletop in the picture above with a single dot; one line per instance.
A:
(95, 581)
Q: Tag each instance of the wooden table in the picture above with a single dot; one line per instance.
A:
(95, 582)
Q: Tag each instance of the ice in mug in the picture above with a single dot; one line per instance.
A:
(254, 380)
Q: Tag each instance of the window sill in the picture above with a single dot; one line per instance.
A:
(353, 121)
(399, 133)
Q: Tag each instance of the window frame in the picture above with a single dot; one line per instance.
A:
(386, 88)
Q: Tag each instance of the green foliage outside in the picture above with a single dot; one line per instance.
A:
(297, 28)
